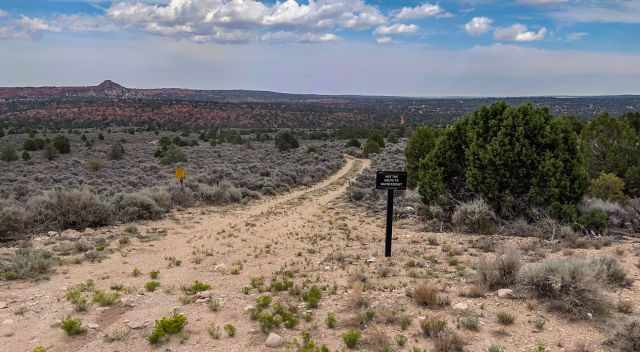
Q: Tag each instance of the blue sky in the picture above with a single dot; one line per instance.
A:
(403, 47)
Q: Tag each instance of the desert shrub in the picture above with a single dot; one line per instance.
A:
(50, 152)
(151, 286)
(172, 155)
(33, 144)
(222, 193)
(75, 209)
(181, 196)
(448, 341)
(626, 338)
(351, 338)
(617, 215)
(135, 206)
(595, 221)
(27, 263)
(428, 295)
(513, 157)
(505, 318)
(196, 287)
(26, 156)
(421, 142)
(94, 164)
(610, 145)
(371, 147)
(377, 137)
(8, 153)
(160, 196)
(230, 329)
(13, 221)
(72, 326)
(474, 217)
(312, 297)
(61, 144)
(607, 187)
(353, 143)
(432, 327)
(572, 286)
(285, 141)
(632, 181)
(609, 270)
(116, 151)
(105, 299)
(500, 270)
(167, 326)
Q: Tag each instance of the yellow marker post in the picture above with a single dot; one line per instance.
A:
(180, 174)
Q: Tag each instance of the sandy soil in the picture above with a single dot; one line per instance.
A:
(312, 232)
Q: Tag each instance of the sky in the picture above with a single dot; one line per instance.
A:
(374, 47)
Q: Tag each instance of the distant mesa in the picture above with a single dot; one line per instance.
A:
(109, 84)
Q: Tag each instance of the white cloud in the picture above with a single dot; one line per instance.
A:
(384, 40)
(291, 37)
(3, 13)
(34, 25)
(519, 33)
(421, 11)
(478, 25)
(398, 28)
(215, 17)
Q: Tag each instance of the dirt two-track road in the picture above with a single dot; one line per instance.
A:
(312, 232)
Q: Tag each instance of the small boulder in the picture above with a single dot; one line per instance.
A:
(274, 341)
(505, 293)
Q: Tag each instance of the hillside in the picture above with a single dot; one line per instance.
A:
(112, 104)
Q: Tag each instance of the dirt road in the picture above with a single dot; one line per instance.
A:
(313, 234)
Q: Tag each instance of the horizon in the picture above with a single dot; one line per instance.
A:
(408, 48)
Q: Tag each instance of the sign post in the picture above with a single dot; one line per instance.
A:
(391, 181)
(180, 174)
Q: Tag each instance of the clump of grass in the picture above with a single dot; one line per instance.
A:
(351, 338)
(167, 326)
(470, 322)
(105, 299)
(230, 330)
(214, 331)
(405, 321)
(401, 340)
(214, 305)
(72, 327)
(39, 349)
(331, 320)
(312, 297)
(505, 318)
(625, 306)
(151, 286)
(448, 341)
(495, 348)
(27, 263)
(432, 327)
(196, 287)
(500, 270)
(136, 272)
(76, 297)
(154, 274)
(428, 295)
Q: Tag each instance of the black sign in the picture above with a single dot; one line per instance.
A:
(393, 180)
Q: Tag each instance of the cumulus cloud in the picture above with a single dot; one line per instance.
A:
(421, 11)
(478, 25)
(213, 18)
(398, 28)
(519, 33)
(384, 40)
(291, 37)
(3, 13)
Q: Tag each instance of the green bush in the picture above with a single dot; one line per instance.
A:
(421, 143)
(8, 153)
(607, 187)
(196, 287)
(351, 338)
(371, 147)
(516, 158)
(116, 152)
(151, 285)
(33, 144)
(26, 156)
(72, 326)
(129, 207)
(610, 145)
(378, 138)
(105, 299)
(594, 220)
(172, 155)
(353, 143)
(61, 144)
(312, 297)
(167, 326)
(285, 141)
